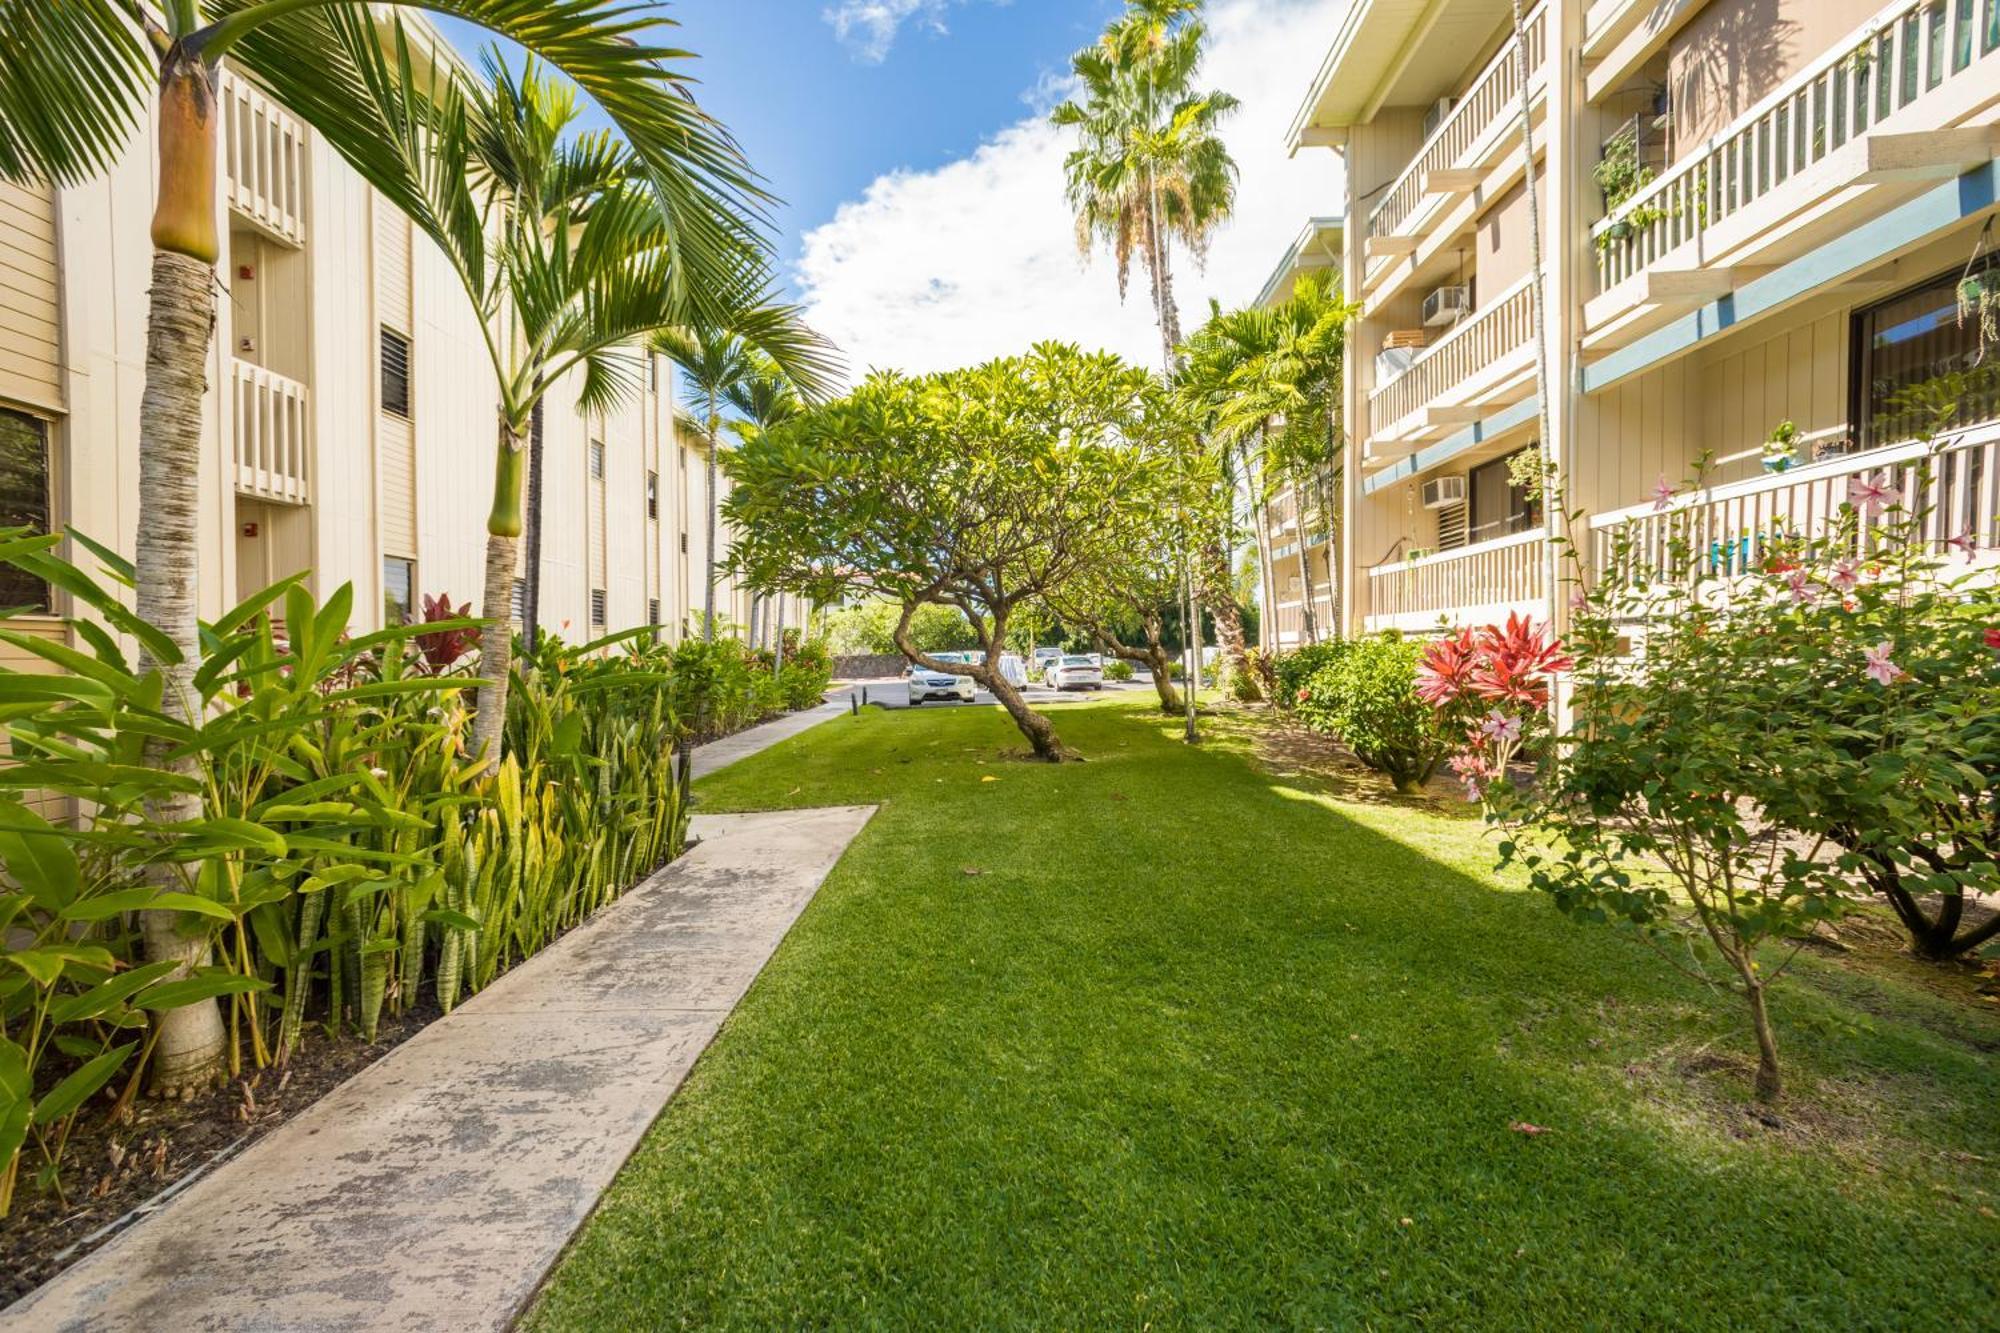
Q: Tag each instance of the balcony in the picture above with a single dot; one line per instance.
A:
(1487, 358)
(1474, 585)
(1454, 157)
(1732, 524)
(263, 161)
(1867, 111)
(271, 435)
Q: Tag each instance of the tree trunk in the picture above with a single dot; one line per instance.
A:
(1154, 657)
(1220, 599)
(1267, 578)
(1328, 501)
(503, 564)
(531, 577)
(1041, 733)
(1309, 619)
(1769, 1085)
(708, 552)
(179, 331)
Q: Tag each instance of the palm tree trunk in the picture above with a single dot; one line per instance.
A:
(531, 577)
(1267, 578)
(1311, 620)
(708, 550)
(503, 565)
(179, 331)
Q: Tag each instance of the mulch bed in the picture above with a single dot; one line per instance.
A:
(115, 1174)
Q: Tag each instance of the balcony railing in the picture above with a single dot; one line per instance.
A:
(272, 436)
(1732, 527)
(1473, 585)
(264, 160)
(1900, 58)
(1496, 93)
(1463, 359)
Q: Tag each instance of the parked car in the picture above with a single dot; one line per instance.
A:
(1038, 667)
(1013, 670)
(925, 684)
(1074, 671)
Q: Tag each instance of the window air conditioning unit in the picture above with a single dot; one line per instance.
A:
(1443, 492)
(1435, 116)
(1447, 305)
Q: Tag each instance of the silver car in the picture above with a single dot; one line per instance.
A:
(1074, 671)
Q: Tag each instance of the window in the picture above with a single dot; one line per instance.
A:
(597, 606)
(597, 460)
(1917, 337)
(399, 590)
(1498, 508)
(24, 500)
(652, 495)
(395, 373)
(684, 543)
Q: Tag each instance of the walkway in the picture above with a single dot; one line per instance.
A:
(434, 1189)
(720, 754)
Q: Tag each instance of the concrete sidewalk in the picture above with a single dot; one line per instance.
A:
(433, 1190)
(720, 754)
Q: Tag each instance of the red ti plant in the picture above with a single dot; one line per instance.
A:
(443, 649)
(1493, 683)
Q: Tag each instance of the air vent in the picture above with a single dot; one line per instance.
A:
(1434, 118)
(597, 606)
(1441, 492)
(1447, 305)
(1451, 527)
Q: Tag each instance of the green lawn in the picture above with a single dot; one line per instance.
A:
(1199, 1047)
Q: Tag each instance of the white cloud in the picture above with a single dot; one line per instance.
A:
(978, 258)
(869, 27)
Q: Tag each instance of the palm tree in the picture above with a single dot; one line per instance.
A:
(736, 363)
(74, 78)
(1150, 167)
(763, 399)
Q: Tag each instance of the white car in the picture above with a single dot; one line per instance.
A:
(925, 684)
(1044, 658)
(1074, 671)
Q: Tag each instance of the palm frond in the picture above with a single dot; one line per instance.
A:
(74, 75)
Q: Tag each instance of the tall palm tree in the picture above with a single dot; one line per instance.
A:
(1150, 168)
(733, 364)
(74, 78)
(765, 398)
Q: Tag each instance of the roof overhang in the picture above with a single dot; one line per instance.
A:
(1392, 53)
(1318, 246)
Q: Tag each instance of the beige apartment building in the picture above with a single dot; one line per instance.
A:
(1754, 212)
(351, 420)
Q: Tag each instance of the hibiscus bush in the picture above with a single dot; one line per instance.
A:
(1290, 671)
(1763, 725)
(1368, 698)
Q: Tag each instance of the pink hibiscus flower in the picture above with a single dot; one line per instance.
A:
(1880, 668)
(1801, 587)
(1499, 726)
(1845, 576)
(1663, 493)
(1966, 545)
(1871, 495)
(1993, 638)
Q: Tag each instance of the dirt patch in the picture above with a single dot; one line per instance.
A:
(1286, 750)
(111, 1171)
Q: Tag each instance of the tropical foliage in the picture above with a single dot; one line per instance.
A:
(345, 861)
(1367, 697)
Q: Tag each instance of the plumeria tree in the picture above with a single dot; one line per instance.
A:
(988, 489)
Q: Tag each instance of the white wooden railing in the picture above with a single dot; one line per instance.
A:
(272, 435)
(1496, 93)
(1897, 59)
(1472, 585)
(1731, 527)
(1478, 343)
(264, 160)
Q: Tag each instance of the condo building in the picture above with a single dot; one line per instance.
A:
(351, 414)
(1762, 221)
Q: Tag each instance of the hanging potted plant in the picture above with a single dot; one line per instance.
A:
(1781, 450)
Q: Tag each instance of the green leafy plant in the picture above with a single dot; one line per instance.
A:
(1295, 669)
(1367, 697)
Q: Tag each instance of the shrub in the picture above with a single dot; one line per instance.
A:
(1117, 668)
(1490, 687)
(1809, 708)
(1292, 670)
(808, 671)
(1247, 685)
(1368, 698)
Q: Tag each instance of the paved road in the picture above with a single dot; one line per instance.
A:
(893, 694)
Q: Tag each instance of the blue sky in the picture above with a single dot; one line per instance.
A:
(924, 223)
